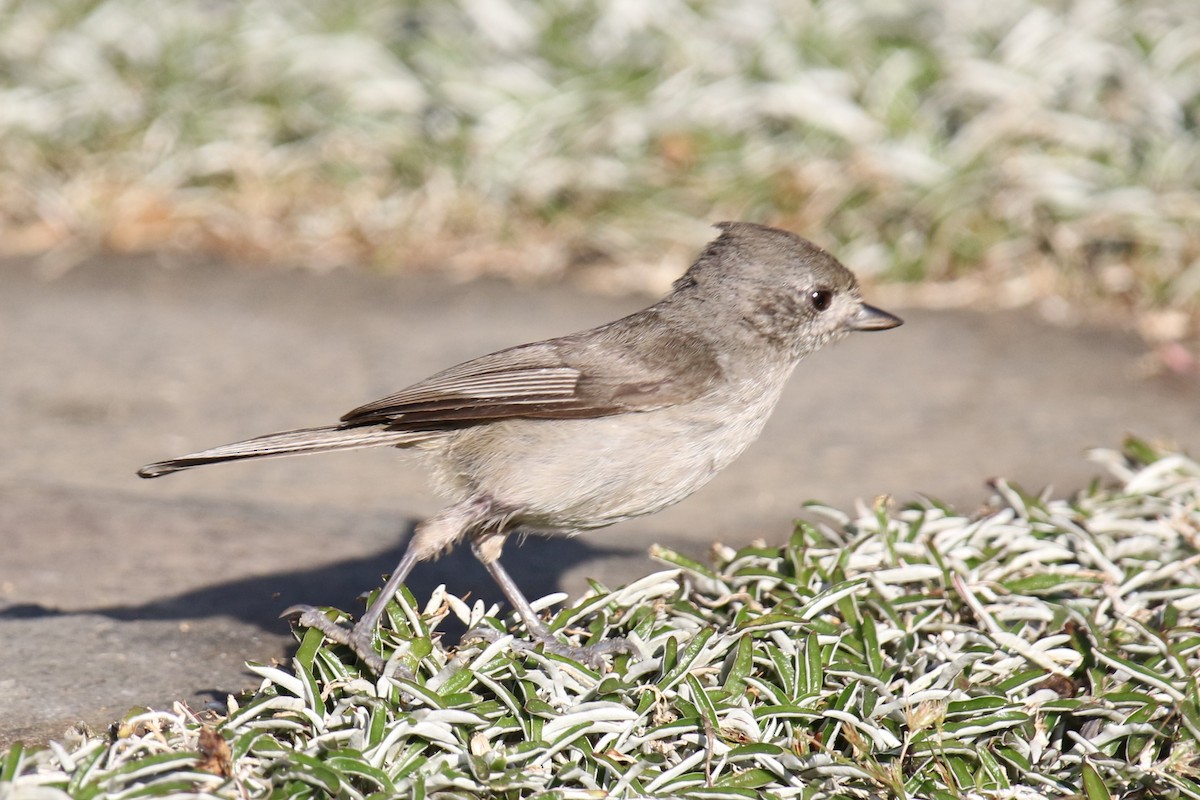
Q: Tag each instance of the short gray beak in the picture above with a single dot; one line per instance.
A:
(870, 318)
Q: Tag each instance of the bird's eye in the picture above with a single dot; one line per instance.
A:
(820, 299)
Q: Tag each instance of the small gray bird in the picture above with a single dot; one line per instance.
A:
(596, 427)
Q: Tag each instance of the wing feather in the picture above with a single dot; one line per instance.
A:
(596, 374)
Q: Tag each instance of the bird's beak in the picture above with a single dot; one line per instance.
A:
(870, 318)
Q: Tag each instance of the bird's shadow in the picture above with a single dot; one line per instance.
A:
(258, 600)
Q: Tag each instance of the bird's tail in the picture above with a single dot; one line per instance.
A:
(289, 443)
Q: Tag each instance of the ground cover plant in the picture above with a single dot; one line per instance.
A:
(1038, 648)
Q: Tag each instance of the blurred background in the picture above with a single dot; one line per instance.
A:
(973, 152)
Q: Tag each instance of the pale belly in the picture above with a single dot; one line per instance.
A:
(589, 473)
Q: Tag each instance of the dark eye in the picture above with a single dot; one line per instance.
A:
(820, 299)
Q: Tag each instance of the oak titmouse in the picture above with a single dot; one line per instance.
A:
(596, 427)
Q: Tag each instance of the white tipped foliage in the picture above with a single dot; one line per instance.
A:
(912, 652)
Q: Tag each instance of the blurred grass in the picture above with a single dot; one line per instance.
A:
(1008, 151)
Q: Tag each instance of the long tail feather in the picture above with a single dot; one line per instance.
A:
(289, 443)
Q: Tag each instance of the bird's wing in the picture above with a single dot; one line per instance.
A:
(586, 375)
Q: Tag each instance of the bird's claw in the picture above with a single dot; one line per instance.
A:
(589, 655)
(357, 638)
(360, 640)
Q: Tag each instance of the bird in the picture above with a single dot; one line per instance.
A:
(593, 428)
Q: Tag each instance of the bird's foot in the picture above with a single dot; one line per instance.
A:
(358, 638)
(591, 655)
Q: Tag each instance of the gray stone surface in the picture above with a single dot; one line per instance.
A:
(116, 592)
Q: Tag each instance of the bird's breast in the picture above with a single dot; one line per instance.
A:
(588, 473)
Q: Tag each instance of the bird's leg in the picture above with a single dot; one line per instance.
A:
(432, 537)
(359, 637)
(486, 546)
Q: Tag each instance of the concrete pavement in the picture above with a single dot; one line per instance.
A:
(117, 592)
